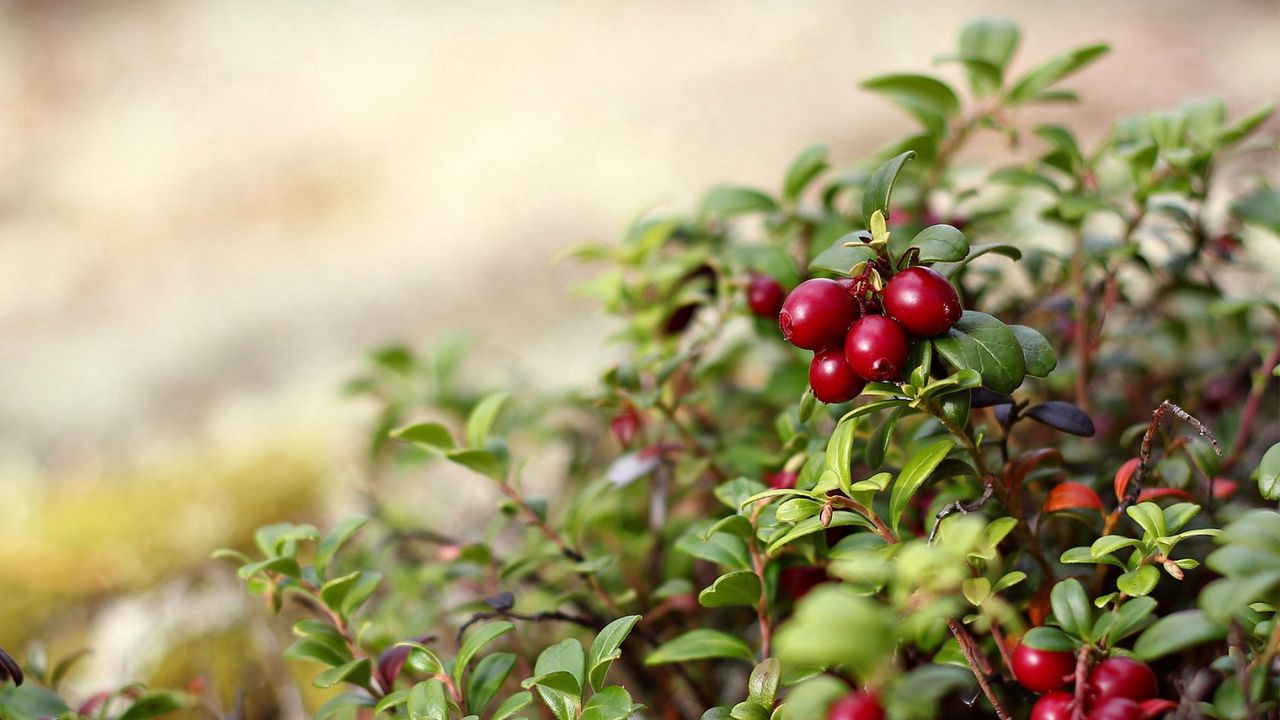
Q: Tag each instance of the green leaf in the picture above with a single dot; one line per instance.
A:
(1137, 583)
(1269, 473)
(282, 565)
(733, 200)
(422, 658)
(1053, 70)
(1149, 517)
(880, 186)
(430, 436)
(1071, 608)
(334, 540)
(565, 656)
(983, 343)
(1047, 637)
(762, 687)
(1037, 353)
(607, 647)
(878, 443)
(475, 641)
(925, 98)
(803, 170)
(834, 627)
(317, 650)
(914, 473)
(720, 548)
(611, 703)
(340, 706)
(513, 705)
(427, 701)
(482, 417)
(701, 644)
(360, 591)
(840, 518)
(1108, 544)
(839, 259)
(355, 672)
(941, 243)
(1175, 633)
(1132, 616)
(1246, 125)
(487, 678)
(481, 461)
(738, 588)
(1066, 154)
(153, 704)
(991, 42)
(840, 452)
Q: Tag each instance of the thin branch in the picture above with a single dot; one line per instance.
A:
(552, 616)
(1082, 674)
(963, 507)
(978, 664)
(1144, 453)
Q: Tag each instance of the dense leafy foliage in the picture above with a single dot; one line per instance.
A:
(1041, 484)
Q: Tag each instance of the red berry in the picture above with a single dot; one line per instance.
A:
(923, 301)
(1123, 677)
(1116, 708)
(796, 582)
(876, 348)
(831, 378)
(626, 426)
(765, 295)
(857, 706)
(816, 314)
(781, 480)
(1054, 706)
(1042, 670)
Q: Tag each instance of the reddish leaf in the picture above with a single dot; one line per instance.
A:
(1072, 496)
(1157, 707)
(1123, 476)
(1019, 468)
(1224, 488)
(1040, 606)
(1157, 493)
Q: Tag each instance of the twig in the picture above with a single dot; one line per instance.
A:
(1144, 453)
(978, 664)
(551, 616)
(762, 606)
(963, 507)
(1082, 674)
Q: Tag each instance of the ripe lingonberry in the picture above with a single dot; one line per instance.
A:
(876, 348)
(831, 378)
(1042, 670)
(1124, 678)
(765, 295)
(781, 480)
(1116, 708)
(1054, 706)
(797, 581)
(856, 706)
(922, 301)
(816, 314)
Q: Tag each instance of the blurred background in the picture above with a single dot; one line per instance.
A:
(210, 211)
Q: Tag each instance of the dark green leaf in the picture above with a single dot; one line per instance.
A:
(153, 704)
(513, 705)
(1269, 473)
(607, 647)
(1132, 616)
(1175, 633)
(475, 641)
(611, 703)
(1137, 583)
(355, 672)
(481, 461)
(983, 343)
(941, 243)
(1071, 608)
(487, 677)
(334, 540)
(427, 701)
(839, 259)
(880, 186)
(1037, 353)
(1047, 637)
(738, 588)
(700, 644)
(914, 473)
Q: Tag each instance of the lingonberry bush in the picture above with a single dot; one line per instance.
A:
(919, 439)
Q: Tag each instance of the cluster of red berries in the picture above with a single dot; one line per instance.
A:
(1115, 689)
(858, 335)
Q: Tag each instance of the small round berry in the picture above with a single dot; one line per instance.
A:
(1054, 706)
(1116, 708)
(797, 581)
(781, 480)
(1042, 670)
(816, 314)
(876, 348)
(831, 378)
(1123, 677)
(765, 295)
(856, 706)
(923, 301)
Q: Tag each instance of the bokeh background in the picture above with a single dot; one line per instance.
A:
(209, 211)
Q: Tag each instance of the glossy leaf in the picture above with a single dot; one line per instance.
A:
(925, 98)
(475, 641)
(941, 243)
(880, 186)
(1071, 608)
(1174, 633)
(427, 701)
(914, 474)
(1062, 416)
(1269, 473)
(482, 417)
(607, 647)
(981, 342)
(738, 588)
(701, 644)
(839, 259)
(487, 678)
(1052, 71)
(1037, 353)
